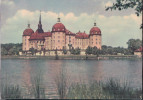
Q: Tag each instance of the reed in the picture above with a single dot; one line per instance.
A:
(111, 89)
(38, 88)
(10, 91)
(61, 81)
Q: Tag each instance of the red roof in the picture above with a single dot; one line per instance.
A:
(28, 32)
(81, 35)
(46, 34)
(37, 36)
(69, 32)
(139, 50)
(95, 30)
(58, 27)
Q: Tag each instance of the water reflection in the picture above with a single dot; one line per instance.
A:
(22, 71)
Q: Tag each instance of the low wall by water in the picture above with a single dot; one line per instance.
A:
(80, 57)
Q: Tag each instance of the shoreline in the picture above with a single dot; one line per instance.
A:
(75, 57)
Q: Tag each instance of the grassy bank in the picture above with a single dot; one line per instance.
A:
(111, 89)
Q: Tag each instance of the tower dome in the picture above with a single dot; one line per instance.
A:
(28, 31)
(58, 27)
(95, 30)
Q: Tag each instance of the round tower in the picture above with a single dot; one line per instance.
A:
(25, 38)
(58, 35)
(95, 37)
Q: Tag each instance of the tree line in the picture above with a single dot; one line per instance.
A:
(11, 48)
(133, 44)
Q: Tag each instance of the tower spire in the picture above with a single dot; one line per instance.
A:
(40, 18)
(40, 30)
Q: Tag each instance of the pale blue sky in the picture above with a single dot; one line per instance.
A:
(117, 26)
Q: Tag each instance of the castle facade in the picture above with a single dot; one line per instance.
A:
(60, 37)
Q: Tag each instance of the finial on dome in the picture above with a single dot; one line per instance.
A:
(28, 24)
(58, 18)
(95, 23)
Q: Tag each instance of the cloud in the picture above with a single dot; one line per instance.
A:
(116, 30)
(108, 4)
(7, 3)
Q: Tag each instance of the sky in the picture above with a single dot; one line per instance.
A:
(117, 27)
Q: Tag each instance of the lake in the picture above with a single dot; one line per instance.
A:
(22, 71)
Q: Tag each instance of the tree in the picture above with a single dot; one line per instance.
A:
(35, 51)
(64, 50)
(72, 51)
(44, 51)
(125, 4)
(77, 51)
(134, 44)
(88, 50)
(32, 50)
(4, 51)
(94, 50)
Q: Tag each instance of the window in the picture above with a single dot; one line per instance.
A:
(58, 40)
(63, 40)
(96, 42)
(58, 36)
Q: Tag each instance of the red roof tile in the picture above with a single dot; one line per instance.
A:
(37, 36)
(139, 50)
(95, 30)
(28, 32)
(69, 32)
(58, 27)
(81, 35)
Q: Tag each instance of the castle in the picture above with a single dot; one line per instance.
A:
(60, 37)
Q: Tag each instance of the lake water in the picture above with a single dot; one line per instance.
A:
(21, 71)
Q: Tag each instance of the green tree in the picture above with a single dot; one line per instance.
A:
(64, 50)
(4, 51)
(35, 51)
(125, 4)
(32, 50)
(77, 51)
(44, 51)
(72, 51)
(103, 50)
(94, 50)
(88, 50)
(134, 44)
